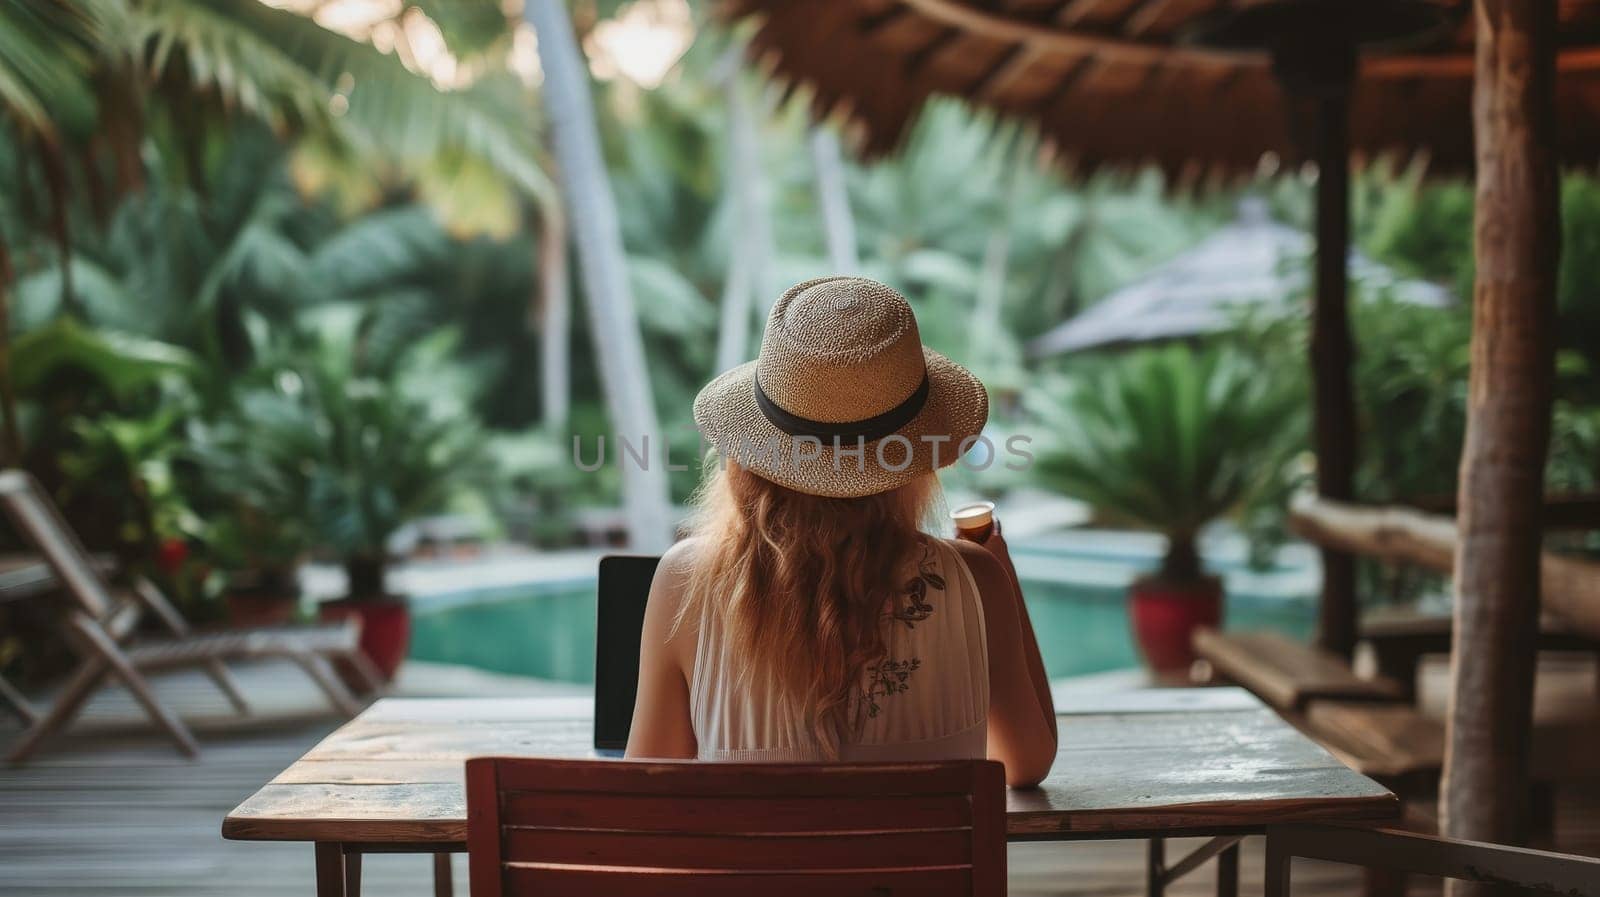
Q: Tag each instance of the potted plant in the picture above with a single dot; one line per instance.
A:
(378, 455)
(257, 528)
(1169, 440)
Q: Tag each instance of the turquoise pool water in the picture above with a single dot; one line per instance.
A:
(1076, 598)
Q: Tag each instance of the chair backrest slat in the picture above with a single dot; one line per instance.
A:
(41, 524)
(762, 815)
(551, 827)
(586, 882)
(864, 850)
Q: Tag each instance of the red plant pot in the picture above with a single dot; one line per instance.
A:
(385, 628)
(1165, 616)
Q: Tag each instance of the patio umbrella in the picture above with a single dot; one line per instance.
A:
(1253, 265)
(1207, 90)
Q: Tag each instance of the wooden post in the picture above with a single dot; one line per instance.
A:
(1516, 239)
(1333, 396)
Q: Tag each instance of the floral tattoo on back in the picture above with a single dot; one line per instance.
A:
(890, 676)
(917, 608)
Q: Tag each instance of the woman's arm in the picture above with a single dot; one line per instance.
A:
(996, 545)
(662, 728)
(1022, 731)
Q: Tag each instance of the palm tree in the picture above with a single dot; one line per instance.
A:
(554, 310)
(603, 267)
(749, 263)
(838, 225)
(1169, 440)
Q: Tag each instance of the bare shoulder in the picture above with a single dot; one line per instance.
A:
(990, 576)
(673, 573)
(679, 560)
(669, 590)
(983, 565)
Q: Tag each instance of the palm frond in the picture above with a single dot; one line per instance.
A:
(1167, 439)
(48, 53)
(230, 48)
(379, 252)
(287, 69)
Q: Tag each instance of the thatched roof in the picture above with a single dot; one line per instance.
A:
(1252, 264)
(1114, 82)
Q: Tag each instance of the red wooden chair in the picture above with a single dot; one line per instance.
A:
(666, 828)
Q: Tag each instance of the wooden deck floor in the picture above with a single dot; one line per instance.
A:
(112, 811)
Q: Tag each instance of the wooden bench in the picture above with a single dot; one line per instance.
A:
(1391, 742)
(1369, 723)
(1285, 673)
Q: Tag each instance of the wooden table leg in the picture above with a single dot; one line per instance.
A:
(1155, 872)
(1228, 872)
(443, 884)
(352, 874)
(1277, 869)
(1383, 882)
(330, 869)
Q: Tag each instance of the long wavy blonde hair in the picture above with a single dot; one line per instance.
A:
(803, 583)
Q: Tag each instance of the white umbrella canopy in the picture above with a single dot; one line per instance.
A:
(1253, 264)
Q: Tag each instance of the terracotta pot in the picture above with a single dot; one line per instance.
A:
(385, 628)
(1165, 615)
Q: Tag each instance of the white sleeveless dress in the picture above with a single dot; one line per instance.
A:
(927, 700)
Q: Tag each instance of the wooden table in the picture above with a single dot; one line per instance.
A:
(1149, 764)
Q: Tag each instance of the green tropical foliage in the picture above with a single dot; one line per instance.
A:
(345, 441)
(1169, 440)
(47, 52)
(264, 282)
(251, 466)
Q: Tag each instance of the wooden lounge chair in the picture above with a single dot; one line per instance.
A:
(18, 704)
(101, 625)
(1285, 673)
(1400, 640)
(579, 827)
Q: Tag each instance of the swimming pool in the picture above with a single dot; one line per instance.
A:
(1075, 587)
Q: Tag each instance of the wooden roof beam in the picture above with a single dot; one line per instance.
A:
(1006, 70)
(919, 59)
(1144, 15)
(879, 22)
(1064, 86)
(1074, 11)
(1060, 38)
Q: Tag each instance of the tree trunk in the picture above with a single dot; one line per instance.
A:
(733, 324)
(751, 243)
(52, 162)
(838, 225)
(10, 436)
(985, 339)
(367, 577)
(1181, 564)
(1333, 395)
(602, 264)
(1516, 242)
(555, 315)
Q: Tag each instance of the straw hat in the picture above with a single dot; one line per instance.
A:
(844, 400)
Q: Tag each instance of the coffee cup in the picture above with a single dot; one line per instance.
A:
(974, 522)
